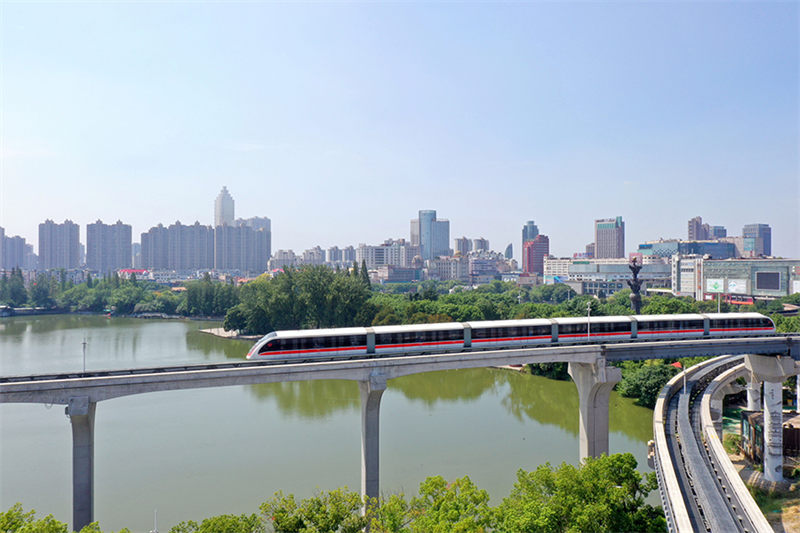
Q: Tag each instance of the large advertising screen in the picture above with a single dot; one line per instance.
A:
(768, 281)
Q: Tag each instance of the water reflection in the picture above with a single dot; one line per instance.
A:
(526, 397)
(211, 345)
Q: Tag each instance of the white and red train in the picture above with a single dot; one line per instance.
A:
(497, 334)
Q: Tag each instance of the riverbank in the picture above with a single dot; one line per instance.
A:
(220, 332)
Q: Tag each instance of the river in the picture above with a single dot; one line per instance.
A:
(198, 453)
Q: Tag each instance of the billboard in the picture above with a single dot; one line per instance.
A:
(768, 281)
(737, 286)
(714, 285)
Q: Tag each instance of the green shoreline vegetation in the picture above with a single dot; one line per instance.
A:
(603, 494)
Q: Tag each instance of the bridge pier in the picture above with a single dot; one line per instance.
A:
(753, 394)
(81, 416)
(594, 382)
(371, 392)
(772, 370)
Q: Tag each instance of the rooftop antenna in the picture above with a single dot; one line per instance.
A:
(84, 343)
(155, 521)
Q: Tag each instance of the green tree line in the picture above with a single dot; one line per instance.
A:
(602, 495)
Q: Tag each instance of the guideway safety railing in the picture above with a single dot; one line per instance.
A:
(700, 489)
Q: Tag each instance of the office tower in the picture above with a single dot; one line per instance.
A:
(718, 232)
(480, 245)
(59, 245)
(223, 208)
(762, 234)
(155, 248)
(432, 235)
(609, 238)
(463, 246)
(509, 251)
(534, 253)
(108, 247)
(529, 232)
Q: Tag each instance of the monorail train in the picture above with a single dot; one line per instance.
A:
(498, 334)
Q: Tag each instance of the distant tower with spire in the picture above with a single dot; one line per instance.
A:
(223, 209)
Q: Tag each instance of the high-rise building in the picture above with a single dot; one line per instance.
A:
(59, 245)
(718, 232)
(348, 255)
(480, 244)
(463, 246)
(609, 238)
(240, 248)
(259, 223)
(589, 250)
(334, 255)
(529, 232)
(108, 247)
(14, 252)
(155, 248)
(223, 208)
(762, 234)
(314, 256)
(697, 231)
(432, 235)
(509, 251)
(534, 253)
(190, 247)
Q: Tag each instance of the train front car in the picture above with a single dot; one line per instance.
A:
(739, 324)
(310, 344)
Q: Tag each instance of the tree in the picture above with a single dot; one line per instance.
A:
(604, 494)
(443, 507)
(39, 291)
(226, 523)
(335, 511)
(645, 381)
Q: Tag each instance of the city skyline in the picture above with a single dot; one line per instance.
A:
(339, 125)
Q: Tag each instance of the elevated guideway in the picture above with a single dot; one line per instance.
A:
(588, 366)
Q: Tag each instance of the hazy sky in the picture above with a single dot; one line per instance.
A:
(340, 121)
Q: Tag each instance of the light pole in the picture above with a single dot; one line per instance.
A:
(588, 319)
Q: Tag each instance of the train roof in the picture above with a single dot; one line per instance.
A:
(328, 332)
(418, 327)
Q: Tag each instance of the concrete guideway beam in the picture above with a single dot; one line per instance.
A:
(772, 371)
(81, 415)
(371, 392)
(594, 382)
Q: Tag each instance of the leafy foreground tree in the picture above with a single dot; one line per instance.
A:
(604, 494)
(16, 520)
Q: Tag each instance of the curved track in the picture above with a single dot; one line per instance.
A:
(707, 501)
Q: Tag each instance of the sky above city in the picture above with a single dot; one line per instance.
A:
(340, 121)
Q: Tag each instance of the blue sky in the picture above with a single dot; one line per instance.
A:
(339, 121)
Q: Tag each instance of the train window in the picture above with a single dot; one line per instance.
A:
(569, 329)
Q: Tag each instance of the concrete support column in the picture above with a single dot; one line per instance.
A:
(594, 382)
(797, 395)
(81, 415)
(371, 392)
(772, 370)
(753, 394)
(773, 431)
